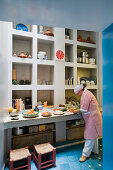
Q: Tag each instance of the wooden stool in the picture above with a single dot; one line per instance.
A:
(44, 155)
(21, 158)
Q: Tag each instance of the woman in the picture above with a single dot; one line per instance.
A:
(92, 118)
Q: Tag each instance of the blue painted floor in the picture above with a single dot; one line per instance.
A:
(68, 159)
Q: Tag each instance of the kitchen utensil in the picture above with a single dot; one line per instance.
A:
(49, 33)
(18, 131)
(28, 101)
(27, 82)
(41, 29)
(92, 82)
(40, 107)
(79, 59)
(89, 40)
(14, 74)
(43, 82)
(80, 39)
(14, 82)
(88, 83)
(22, 55)
(40, 56)
(91, 60)
(22, 82)
(83, 82)
(13, 114)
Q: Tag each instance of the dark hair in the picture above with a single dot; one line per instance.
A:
(84, 86)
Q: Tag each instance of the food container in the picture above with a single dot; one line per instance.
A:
(18, 131)
(92, 82)
(83, 82)
(40, 56)
(40, 107)
(88, 83)
(91, 60)
(79, 59)
(49, 33)
(77, 122)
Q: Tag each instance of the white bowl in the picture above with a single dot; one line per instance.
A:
(41, 56)
(91, 60)
(42, 52)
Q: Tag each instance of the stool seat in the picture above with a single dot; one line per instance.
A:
(44, 155)
(19, 154)
(44, 148)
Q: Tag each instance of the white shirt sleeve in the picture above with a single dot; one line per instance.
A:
(84, 111)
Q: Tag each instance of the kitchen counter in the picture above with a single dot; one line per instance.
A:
(8, 123)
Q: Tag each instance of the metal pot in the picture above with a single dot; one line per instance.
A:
(18, 131)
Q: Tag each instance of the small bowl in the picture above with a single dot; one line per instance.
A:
(13, 114)
(41, 56)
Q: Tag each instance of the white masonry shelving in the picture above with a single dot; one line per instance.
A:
(52, 70)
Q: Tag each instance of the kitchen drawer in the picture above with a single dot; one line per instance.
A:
(75, 133)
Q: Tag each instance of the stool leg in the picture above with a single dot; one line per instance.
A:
(29, 162)
(33, 153)
(11, 165)
(39, 161)
(54, 156)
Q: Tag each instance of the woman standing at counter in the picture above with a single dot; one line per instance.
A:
(93, 121)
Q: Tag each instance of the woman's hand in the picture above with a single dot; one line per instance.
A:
(76, 111)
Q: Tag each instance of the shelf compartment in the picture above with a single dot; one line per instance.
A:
(92, 53)
(45, 95)
(69, 32)
(46, 46)
(23, 72)
(27, 25)
(71, 97)
(69, 75)
(91, 74)
(45, 28)
(69, 53)
(17, 94)
(45, 74)
(22, 44)
(86, 34)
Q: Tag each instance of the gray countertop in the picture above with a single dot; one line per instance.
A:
(8, 123)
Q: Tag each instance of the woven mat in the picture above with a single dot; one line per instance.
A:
(19, 154)
(44, 148)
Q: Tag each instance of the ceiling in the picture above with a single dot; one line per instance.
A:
(93, 15)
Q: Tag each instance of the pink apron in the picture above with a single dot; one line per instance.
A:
(93, 120)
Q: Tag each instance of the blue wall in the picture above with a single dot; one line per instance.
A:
(107, 49)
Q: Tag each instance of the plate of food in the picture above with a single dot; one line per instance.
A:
(58, 112)
(30, 113)
(46, 114)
